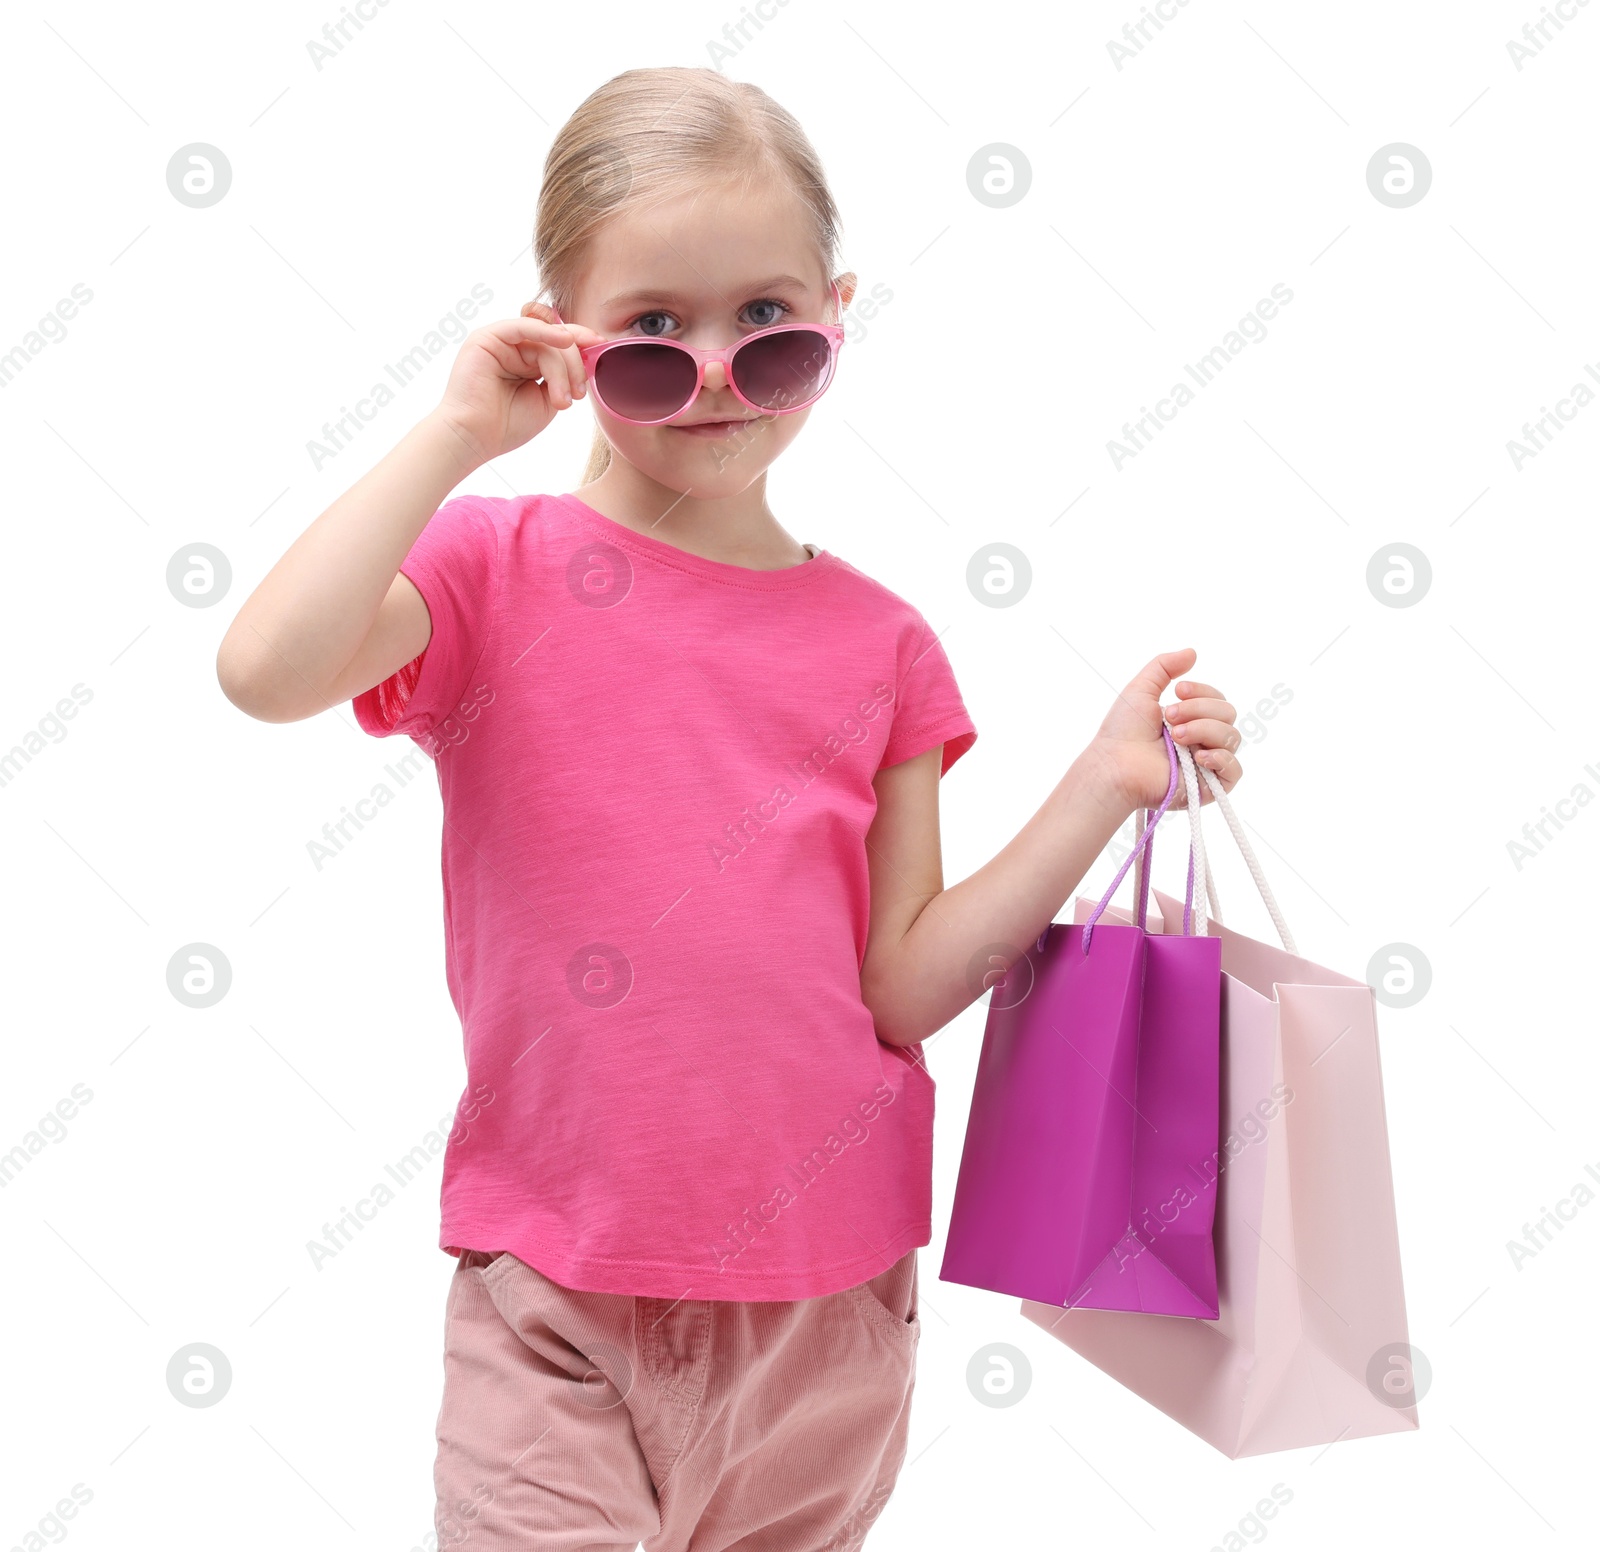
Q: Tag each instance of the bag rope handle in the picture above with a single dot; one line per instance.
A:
(1219, 793)
(1177, 757)
(1139, 849)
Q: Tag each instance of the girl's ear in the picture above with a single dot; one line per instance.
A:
(847, 289)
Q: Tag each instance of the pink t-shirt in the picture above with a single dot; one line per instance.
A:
(656, 772)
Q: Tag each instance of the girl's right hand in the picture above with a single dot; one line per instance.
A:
(511, 378)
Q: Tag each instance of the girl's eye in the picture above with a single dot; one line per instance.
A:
(780, 308)
(762, 315)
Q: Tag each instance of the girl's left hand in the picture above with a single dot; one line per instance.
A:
(1129, 754)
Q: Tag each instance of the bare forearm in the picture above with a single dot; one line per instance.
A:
(926, 978)
(308, 616)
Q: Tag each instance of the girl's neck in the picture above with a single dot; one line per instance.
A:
(739, 530)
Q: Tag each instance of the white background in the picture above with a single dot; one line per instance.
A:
(1166, 199)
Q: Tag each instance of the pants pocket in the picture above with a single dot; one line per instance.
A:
(889, 1300)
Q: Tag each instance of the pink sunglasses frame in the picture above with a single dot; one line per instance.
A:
(832, 332)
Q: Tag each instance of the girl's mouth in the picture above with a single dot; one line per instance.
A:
(712, 429)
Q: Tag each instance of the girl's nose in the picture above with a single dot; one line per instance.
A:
(716, 376)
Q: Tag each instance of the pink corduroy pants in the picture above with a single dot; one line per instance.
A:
(592, 1422)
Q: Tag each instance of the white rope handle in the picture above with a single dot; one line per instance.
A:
(1211, 894)
(1213, 904)
(1197, 843)
(1205, 901)
(1220, 794)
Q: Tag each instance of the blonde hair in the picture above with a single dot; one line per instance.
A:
(649, 135)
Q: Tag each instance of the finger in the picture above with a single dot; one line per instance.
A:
(1187, 711)
(544, 331)
(530, 359)
(577, 373)
(1157, 674)
(543, 312)
(545, 350)
(556, 370)
(1208, 733)
(1224, 765)
(1189, 687)
(514, 358)
(517, 356)
(528, 327)
(526, 347)
(561, 369)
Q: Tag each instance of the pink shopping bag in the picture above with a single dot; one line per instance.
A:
(1310, 1345)
(1095, 1098)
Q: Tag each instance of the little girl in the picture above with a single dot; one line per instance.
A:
(695, 923)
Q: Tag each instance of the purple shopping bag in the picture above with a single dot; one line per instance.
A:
(1088, 1174)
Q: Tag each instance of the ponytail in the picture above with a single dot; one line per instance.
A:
(599, 458)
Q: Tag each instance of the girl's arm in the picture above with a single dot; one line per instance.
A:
(928, 947)
(335, 616)
(335, 610)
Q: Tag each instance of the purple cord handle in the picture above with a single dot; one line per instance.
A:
(1145, 847)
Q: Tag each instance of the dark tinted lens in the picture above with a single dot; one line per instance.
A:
(779, 371)
(646, 381)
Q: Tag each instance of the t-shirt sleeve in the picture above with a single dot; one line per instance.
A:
(928, 708)
(455, 565)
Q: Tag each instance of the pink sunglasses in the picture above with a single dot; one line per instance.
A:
(774, 371)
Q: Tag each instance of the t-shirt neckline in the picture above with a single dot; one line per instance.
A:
(697, 565)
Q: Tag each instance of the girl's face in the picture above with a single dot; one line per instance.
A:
(705, 269)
